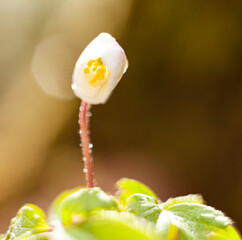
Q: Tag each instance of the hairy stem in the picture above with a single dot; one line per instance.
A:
(85, 143)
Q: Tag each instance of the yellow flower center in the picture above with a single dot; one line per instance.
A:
(96, 72)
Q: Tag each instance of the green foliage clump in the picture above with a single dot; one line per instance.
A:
(135, 213)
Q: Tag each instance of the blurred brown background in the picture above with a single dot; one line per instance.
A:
(174, 122)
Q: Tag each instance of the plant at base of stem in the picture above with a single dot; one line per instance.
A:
(97, 72)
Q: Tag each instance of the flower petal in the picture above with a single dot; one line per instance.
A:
(99, 69)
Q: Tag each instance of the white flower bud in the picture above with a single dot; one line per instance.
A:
(99, 69)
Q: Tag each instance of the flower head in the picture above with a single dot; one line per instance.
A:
(99, 69)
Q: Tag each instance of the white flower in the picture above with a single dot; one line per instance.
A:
(99, 69)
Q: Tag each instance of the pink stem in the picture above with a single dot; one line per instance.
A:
(86, 151)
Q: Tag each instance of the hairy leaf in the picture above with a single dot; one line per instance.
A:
(143, 206)
(83, 203)
(70, 232)
(54, 209)
(194, 221)
(191, 198)
(74, 233)
(30, 220)
(119, 226)
(225, 234)
(128, 187)
(39, 236)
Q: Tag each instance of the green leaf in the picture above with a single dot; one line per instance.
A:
(165, 228)
(73, 233)
(54, 209)
(143, 206)
(191, 198)
(39, 236)
(84, 203)
(225, 234)
(70, 232)
(2, 236)
(30, 220)
(193, 220)
(128, 187)
(110, 225)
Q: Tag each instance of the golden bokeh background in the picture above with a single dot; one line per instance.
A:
(174, 122)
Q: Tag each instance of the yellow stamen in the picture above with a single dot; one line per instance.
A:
(89, 64)
(86, 70)
(97, 72)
